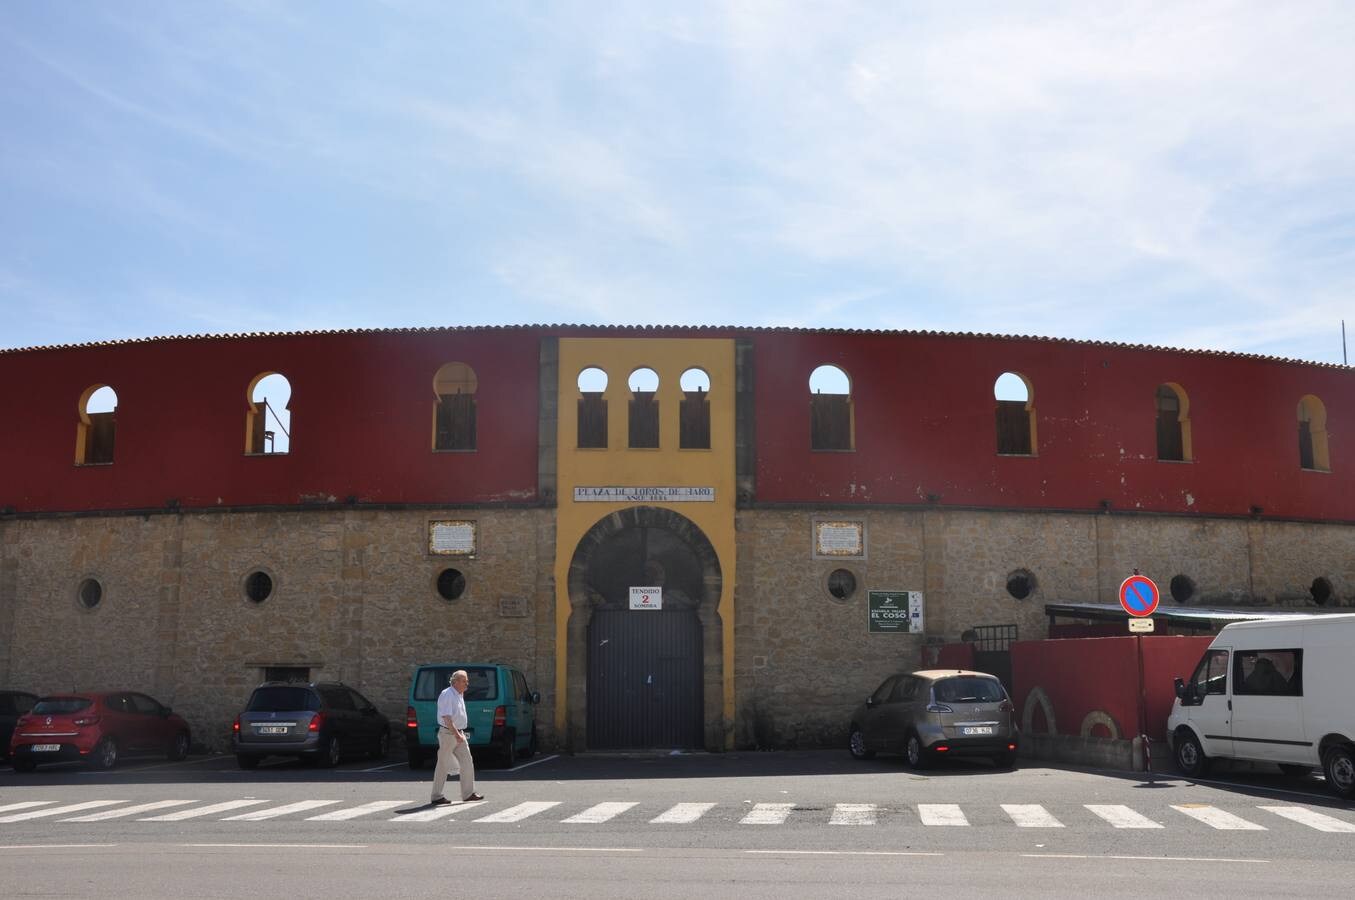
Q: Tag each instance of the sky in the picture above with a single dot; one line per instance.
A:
(1174, 174)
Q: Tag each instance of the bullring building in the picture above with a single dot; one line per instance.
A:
(685, 537)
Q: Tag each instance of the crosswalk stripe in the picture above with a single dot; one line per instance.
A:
(600, 813)
(1311, 818)
(767, 814)
(1122, 816)
(59, 810)
(27, 804)
(520, 812)
(1217, 818)
(129, 811)
(683, 814)
(344, 815)
(853, 814)
(1030, 815)
(438, 812)
(941, 814)
(286, 810)
(213, 809)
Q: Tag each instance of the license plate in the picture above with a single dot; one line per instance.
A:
(272, 729)
(46, 748)
(977, 729)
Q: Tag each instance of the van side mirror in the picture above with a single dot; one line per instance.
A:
(870, 701)
(536, 696)
(1180, 684)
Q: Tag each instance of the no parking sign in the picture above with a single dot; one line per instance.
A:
(1139, 595)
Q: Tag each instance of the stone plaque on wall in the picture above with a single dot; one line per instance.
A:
(514, 607)
(839, 539)
(451, 538)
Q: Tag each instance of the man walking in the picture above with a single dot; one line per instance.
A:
(453, 749)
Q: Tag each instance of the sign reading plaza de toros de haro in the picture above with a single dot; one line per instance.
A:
(644, 494)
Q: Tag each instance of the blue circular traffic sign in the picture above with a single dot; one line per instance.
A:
(1139, 595)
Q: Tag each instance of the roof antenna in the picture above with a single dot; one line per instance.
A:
(1344, 361)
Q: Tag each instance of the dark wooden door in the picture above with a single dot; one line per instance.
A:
(644, 679)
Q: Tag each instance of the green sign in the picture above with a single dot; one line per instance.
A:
(889, 612)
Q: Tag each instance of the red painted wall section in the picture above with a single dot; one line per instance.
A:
(949, 656)
(361, 426)
(925, 425)
(1086, 675)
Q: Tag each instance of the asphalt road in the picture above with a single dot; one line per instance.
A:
(795, 824)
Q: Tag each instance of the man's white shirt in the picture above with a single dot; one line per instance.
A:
(452, 704)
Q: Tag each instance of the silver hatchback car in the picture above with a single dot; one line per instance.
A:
(934, 714)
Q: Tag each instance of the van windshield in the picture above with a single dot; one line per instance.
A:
(968, 690)
(432, 680)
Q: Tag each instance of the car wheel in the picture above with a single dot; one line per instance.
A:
(247, 760)
(415, 760)
(178, 748)
(1190, 758)
(508, 753)
(383, 746)
(912, 750)
(1339, 766)
(531, 745)
(1295, 771)
(1005, 760)
(105, 755)
(332, 753)
(24, 765)
(856, 743)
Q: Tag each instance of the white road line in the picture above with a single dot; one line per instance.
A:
(475, 847)
(27, 804)
(600, 813)
(520, 812)
(285, 810)
(130, 810)
(381, 768)
(535, 762)
(1141, 858)
(344, 815)
(846, 852)
(1311, 818)
(283, 846)
(853, 814)
(215, 808)
(52, 846)
(438, 812)
(941, 814)
(683, 814)
(1122, 816)
(59, 810)
(767, 814)
(1030, 815)
(1217, 818)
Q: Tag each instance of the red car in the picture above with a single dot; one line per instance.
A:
(96, 727)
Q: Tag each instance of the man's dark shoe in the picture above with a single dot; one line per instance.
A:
(472, 797)
(441, 801)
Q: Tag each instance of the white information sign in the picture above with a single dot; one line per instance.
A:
(451, 538)
(646, 598)
(915, 618)
(1141, 626)
(839, 539)
(644, 494)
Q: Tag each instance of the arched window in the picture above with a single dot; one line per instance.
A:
(97, 426)
(644, 409)
(1313, 435)
(268, 423)
(695, 421)
(831, 424)
(592, 409)
(454, 409)
(1015, 415)
(1173, 424)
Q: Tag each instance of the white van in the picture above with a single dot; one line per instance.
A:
(1276, 690)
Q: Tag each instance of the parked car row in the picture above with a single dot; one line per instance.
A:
(321, 722)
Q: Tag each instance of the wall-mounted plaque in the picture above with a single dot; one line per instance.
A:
(644, 494)
(646, 598)
(451, 538)
(839, 539)
(514, 607)
(894, 612)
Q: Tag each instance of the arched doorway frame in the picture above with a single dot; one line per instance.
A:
(708, 613)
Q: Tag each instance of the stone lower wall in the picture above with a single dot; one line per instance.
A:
(804, 660)
(354, 599)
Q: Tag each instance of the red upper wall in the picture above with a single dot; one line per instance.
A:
(924, 415)
(361, 420)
